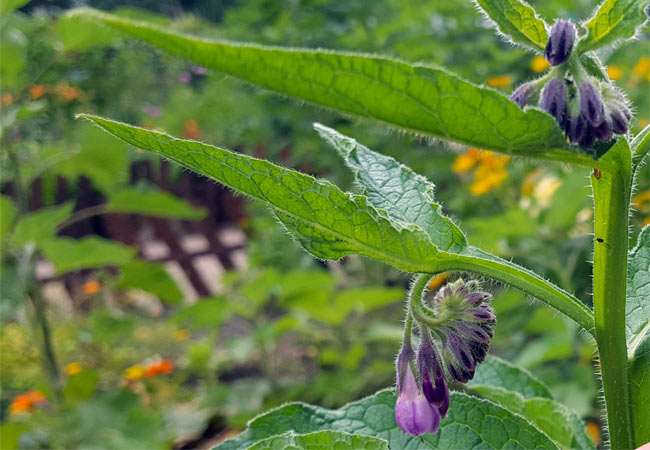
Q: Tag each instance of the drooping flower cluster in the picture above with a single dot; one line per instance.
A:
(586, 108)
(449, 352)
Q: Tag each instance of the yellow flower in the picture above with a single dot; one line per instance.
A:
(614, 72)
(134, 372)
(528, 186)
(539, 64)
(642, 68)
(73, 368)
(181, 335)
(593, 430)
(485, 181)
(466, 161)
(545, 190)
(500, 81)
(646, 221)
(641, 201)
(90, 287)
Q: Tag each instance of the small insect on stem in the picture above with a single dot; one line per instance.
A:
(597, 174)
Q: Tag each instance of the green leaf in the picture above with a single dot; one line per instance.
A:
(553, 418)
(80, 387)
(40, 226)
(614, 21)
(640, 147)
(470, 423)
(69, 254)
(321, 440)
(395, 188)
(206, 313)
(500, 373)
(328, 223)
(77, 34)
(152, 202)
(637, 308)
(7, 216)
(331, 224)
(150, 277)
(413, 97)
(517, 21)
(10, 434)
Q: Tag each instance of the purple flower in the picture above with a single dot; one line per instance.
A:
(185, 77)
(620, 122)
(591, 105)
(524, 94)
(603, 131)
(435, 390)
(575, 127)
(560, 43)
(554, 100)
(414, 414)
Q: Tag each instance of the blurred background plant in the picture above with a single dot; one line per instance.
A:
(143, 307)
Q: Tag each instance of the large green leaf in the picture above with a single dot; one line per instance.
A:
(553, 418)
(517, 21)
(152, 202)
(9, 5)
(500, 373)
(637, 309)
(331, 224)
(615, 20)
(69, 254)
(321, 440)
(393, 187)
(40, 225)
(470, 423)
(414, 97)
(328, 223)
(639, 373)
(150, 277)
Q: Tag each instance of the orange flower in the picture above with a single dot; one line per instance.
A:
(614, 72)
(486, 182)
(91, 287)
(466, 161)
(73, 368)
(7, 98)
(66, 92)
(500, 81)
(26, 402)
(36, 91)
(191, 129)
(160, 367)
(539, 64)
(134, 372)
(593, 430)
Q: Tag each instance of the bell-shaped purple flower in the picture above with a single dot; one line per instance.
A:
(575, 127)
(560, 42)
(402, 364)
(591, 105)
(460, 351)
(620, 122)
(434, 385)
(414, 414)
(603, 131)
(588, 137)
(553, 100)
(524, 94)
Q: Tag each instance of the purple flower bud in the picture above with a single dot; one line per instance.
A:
(575, 127)
(472, 332)
(403, 363)
(459, 374)
(461, 353)
(480, 315)
(413, 412)
(588, 138)
(524, 94)
(603, 131)
(591, 105)
(479, 351)
(560, 43)
(476, 298)
(619, 121)
(554, 100)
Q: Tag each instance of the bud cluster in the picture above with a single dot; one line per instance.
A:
(446, 353)
(588, 110)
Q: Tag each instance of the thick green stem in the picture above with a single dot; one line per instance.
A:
(611, 201)
(421, 312)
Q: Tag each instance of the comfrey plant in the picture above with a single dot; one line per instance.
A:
(581, 119)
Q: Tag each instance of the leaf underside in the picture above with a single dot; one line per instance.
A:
(615, 20)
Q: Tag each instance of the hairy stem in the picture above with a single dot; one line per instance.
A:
(524, 280)
(611, 201)
(421, 312)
